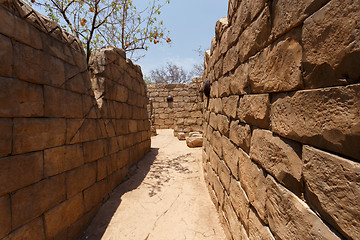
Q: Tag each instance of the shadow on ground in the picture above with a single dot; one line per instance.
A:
(135, 177)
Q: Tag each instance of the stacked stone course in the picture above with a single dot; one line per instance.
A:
(281, 131)
(184, 113)
(68, 135)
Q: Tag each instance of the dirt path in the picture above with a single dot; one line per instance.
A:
(165, 199)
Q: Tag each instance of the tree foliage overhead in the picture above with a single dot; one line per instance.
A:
(117, 23)
(171, 73)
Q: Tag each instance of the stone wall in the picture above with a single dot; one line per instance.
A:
(282, 124)
(66, 140)
(184, 114)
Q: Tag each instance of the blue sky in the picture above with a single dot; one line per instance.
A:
(192, 25)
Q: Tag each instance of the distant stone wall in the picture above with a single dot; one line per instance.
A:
(282, 124)
(184, 114)
(66, 140)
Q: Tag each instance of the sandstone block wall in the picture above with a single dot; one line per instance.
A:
(68, 137)
(184, 114)
(282, 125)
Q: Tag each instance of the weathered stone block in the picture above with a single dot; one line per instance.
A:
(239, 81)
(20, 99)
(30, 202)
(230, 105)
(334, 59)
(20, 171)
(6, 56)
(333, 187)
(224, 86)
(240, 135)
(10, 26)
(254, 110)
(289, 14)
(326, 118)
(214, 159)
(80, 178)
(103, 168)
(224, 175)
(219, 191)
(32, 134)
(193, 142)
(238, 231)
(257, 230)
(278, 67)
(255, 36)
(223, 124)
(94, 194)
(279, 156)
(6, 136)
(32, 230)
(245, 13)
(68, 211)
(252, 179)
(5, 215)
(230, 154)
(230, 60)
(291, 218)
(240, 202)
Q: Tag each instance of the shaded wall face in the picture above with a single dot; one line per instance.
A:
(281, 148)
(184, 113)
(61, 150)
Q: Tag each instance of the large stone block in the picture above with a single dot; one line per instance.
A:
(214, 159)
(80, 178)
(278, 67)
(326, 118)
(252, 179)
(32, 134)
(239, 81)
(240, 202)
(240, 135)
(278, 156)
(30, 202)
(334, 59)
(254, 110)
(5, 215)
(20, 171)
(333, 187)
(230, 154)
(243, 17)
(224, 175)
(223, 124)
(291, 218)
(255, 36)
(32, 230)
(61, 159)
(18, 29)
(6, 136)
(6, 56)
(237, 230)
(219, 191)
(20, 99)
(95, 194)
(289, 14)
(257, 230)
(230, 105)
(68, 211)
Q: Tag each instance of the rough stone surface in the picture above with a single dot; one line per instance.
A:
(6, 137)
(288, 14)
(240, 202)
(333, 60)
(252, 180)
(277, 68)
(333, 187)
(240, 135)
(254, 110)
(279, 156)
(326, 118)
(257, 230)
(194, 142)
(290, 218)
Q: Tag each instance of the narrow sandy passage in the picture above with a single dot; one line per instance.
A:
(166, 198)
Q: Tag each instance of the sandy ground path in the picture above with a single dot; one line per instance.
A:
(165, 199)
